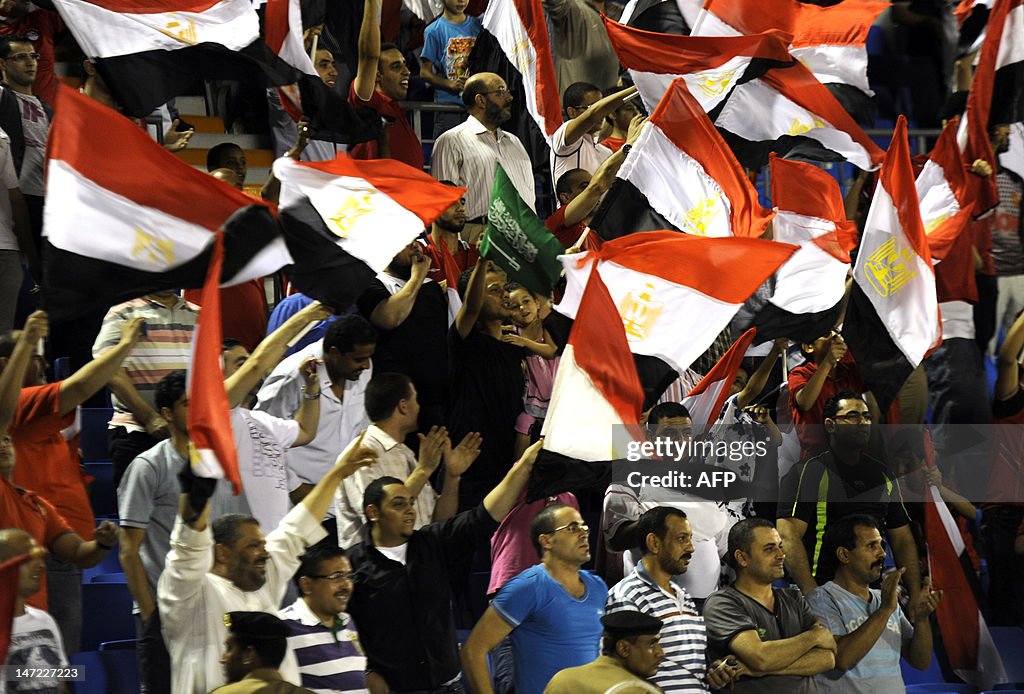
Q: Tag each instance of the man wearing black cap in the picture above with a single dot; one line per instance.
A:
(254, 649)
(630, 653)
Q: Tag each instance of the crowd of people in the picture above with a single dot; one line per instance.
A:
(386, 448)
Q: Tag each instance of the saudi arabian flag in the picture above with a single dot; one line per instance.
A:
(518, 241)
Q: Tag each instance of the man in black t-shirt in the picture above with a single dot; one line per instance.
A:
(486, 379)
(842, 481)
(410, 313)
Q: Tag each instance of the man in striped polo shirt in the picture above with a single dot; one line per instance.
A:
(666, 541)
(323, 636)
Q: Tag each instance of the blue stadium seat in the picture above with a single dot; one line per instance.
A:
(61, 368)
(917, 677)
(941, 688)
(111, 564)
(95, 674)
(94, 433)
(102, 494)
(106, 614)
(122, 671)
(1010, 644)
(122, 645)
(114, 577)
(1009, 687)
(1004, 691)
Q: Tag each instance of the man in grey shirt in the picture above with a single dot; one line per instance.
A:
(770, 632)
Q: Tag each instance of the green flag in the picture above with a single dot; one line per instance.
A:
(518, 241)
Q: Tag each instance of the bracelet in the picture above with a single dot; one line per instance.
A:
(103, 546)
(310, 396)
(626, 147)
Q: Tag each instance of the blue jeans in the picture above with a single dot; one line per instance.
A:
(503, 667)
(64, 587)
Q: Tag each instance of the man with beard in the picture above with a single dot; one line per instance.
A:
(227, 565)
(323, 636)
(552, 610)
(869, 650)
(468, 153)
(842, 481)
(410, 314)
(449, 253)
(486, 379)
(771, 632)
(666, 541)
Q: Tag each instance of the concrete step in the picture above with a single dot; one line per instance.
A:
(203, 140)
(206, 124)
(191, 105)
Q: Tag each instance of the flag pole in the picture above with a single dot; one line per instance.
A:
(312, 50)
(583, 237)
(302, 334)
(700, 19)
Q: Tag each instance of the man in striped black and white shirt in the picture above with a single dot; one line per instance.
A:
(323, 637)
(667, 544)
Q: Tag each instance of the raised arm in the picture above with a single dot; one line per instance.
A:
(369, 51)
(308, 414)
(595, 114)
(757, 380)
(1008, 373)
(474, 299)
(852, 647)
(502, 498)
(808, 395)
(319, 499)
(81, 385)
(13, 375)
(270, 351)
(580, 207)
(392, 312)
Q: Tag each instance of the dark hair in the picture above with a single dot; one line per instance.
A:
(843, 532)
(309, 563)
(347, 332)
(832, 404)
(609, 641)
(655, 521)
(574, 93)
(6, 41)
(374, 493)
(464, 282)
(270, 651)
(565, 181)
(169, 389)
(213, 157)
(544, 523)
(473, 89)
(8, 340)
(384, 392)
(388, 46)
(741, 537)
(229, 343)
(225, 528)
(666, 410)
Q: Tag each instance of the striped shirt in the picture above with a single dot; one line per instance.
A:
(683, 637)
(164, 348)
(467, 154)
(585, 153)
(328, 661)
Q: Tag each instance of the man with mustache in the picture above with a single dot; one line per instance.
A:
(869, 649)
(666, 541)
(842, 481)
(323, 636)
(770, 631)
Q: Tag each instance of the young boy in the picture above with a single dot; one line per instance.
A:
(447, 43)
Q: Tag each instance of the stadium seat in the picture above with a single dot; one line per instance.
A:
(61, 368)
(102, 494)
(93, 442)
(122, 645)
(95, 681)
(941, 688)
(114, 577)
(1009, 687)
(122, 671)
(106, 614)
(915, 677)
(111, 564)
(1010, 644)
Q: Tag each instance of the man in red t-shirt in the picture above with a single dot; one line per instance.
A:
(382, 80)
(449, 254)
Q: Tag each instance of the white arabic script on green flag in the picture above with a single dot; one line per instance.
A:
(518, 241)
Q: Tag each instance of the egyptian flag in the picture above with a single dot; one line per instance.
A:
(662, 280)
(596, 400)
(346, 219)
(148, 51)
(126, 217)
(331, 117)
(212, 449)
(661, 16)
(893, 316)
(687, 176)
(521, 30)
(997, 92)
(809, 289)
(706, 400)
(830, 41)
(789, 112)
(943, 188)
(710, 65)
(971, 18)
(965, 636)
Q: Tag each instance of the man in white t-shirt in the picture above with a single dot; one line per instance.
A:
(574, 145)
(16, 242)
(35, 638)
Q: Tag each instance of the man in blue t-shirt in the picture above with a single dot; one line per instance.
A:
(552, 610)
(872, 631)
(444, 61)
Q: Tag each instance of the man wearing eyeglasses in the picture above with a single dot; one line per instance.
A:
(323, 636)
(842, 481)
(552, 610)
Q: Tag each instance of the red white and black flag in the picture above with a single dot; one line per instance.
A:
(689, 180)
(893, 317)
(346, 219)
(148, 51)
(807, 298)
(944, 191)
(707, 398)
(132, 218)
(710, 65)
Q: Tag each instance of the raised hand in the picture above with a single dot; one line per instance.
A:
(457, 460)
